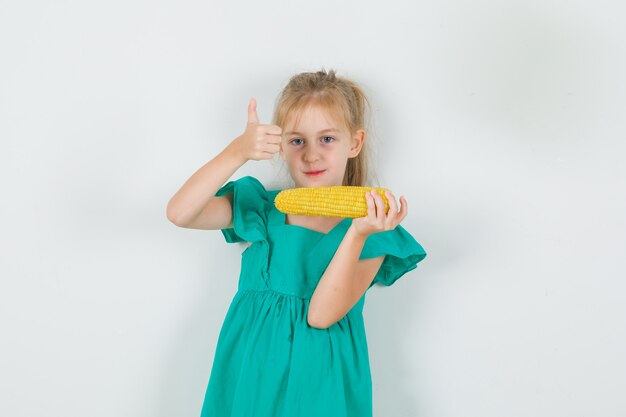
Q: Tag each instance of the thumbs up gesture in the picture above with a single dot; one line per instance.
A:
(258, 141)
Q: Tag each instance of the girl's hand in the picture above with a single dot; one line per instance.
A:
(376, 219)
(258, 141)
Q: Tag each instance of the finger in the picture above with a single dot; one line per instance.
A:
(393, 206)
(390, 218)
(371, 208)
(274, 130)
(380, 207)
(272, 148)
(252, 116)
(274, 138)
(405, 208)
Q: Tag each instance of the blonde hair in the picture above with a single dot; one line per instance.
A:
(338, 95)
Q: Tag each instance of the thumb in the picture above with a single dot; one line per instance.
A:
(252, 116)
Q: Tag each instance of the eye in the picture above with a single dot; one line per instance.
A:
(292, 141)
(328, 137)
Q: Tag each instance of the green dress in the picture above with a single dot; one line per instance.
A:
(268, 361)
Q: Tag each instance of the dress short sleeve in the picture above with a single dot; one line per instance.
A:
(250, 207)
(401, 250)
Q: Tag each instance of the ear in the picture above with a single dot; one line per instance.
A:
(357, 142)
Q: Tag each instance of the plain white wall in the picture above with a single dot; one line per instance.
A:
(503, 123)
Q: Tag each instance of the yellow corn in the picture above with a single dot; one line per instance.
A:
(332, 201)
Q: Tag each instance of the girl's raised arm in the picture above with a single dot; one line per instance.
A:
(194, 205)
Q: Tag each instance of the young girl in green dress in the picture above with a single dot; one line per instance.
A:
(293, 341)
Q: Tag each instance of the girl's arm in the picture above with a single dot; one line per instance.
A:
(198, 193)
(343, 283)
(195, 204)
(347, 278)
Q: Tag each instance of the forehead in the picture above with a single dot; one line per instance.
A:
(314, 116)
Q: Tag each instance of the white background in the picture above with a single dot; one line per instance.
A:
(502, 122)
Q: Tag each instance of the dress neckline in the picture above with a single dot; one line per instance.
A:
(284, 220)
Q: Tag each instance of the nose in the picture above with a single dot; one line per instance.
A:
(311, 154)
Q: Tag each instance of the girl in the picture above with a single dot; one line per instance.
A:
(293, 340)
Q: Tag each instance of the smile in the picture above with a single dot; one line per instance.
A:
(314, 173)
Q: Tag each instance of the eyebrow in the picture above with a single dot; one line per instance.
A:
(321, 131)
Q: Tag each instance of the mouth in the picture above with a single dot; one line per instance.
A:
(314, 173)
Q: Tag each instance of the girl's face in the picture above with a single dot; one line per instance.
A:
(318, 143)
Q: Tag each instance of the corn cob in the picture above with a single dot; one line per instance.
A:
(331, 201)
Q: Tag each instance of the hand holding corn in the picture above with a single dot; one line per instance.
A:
(374, 209)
